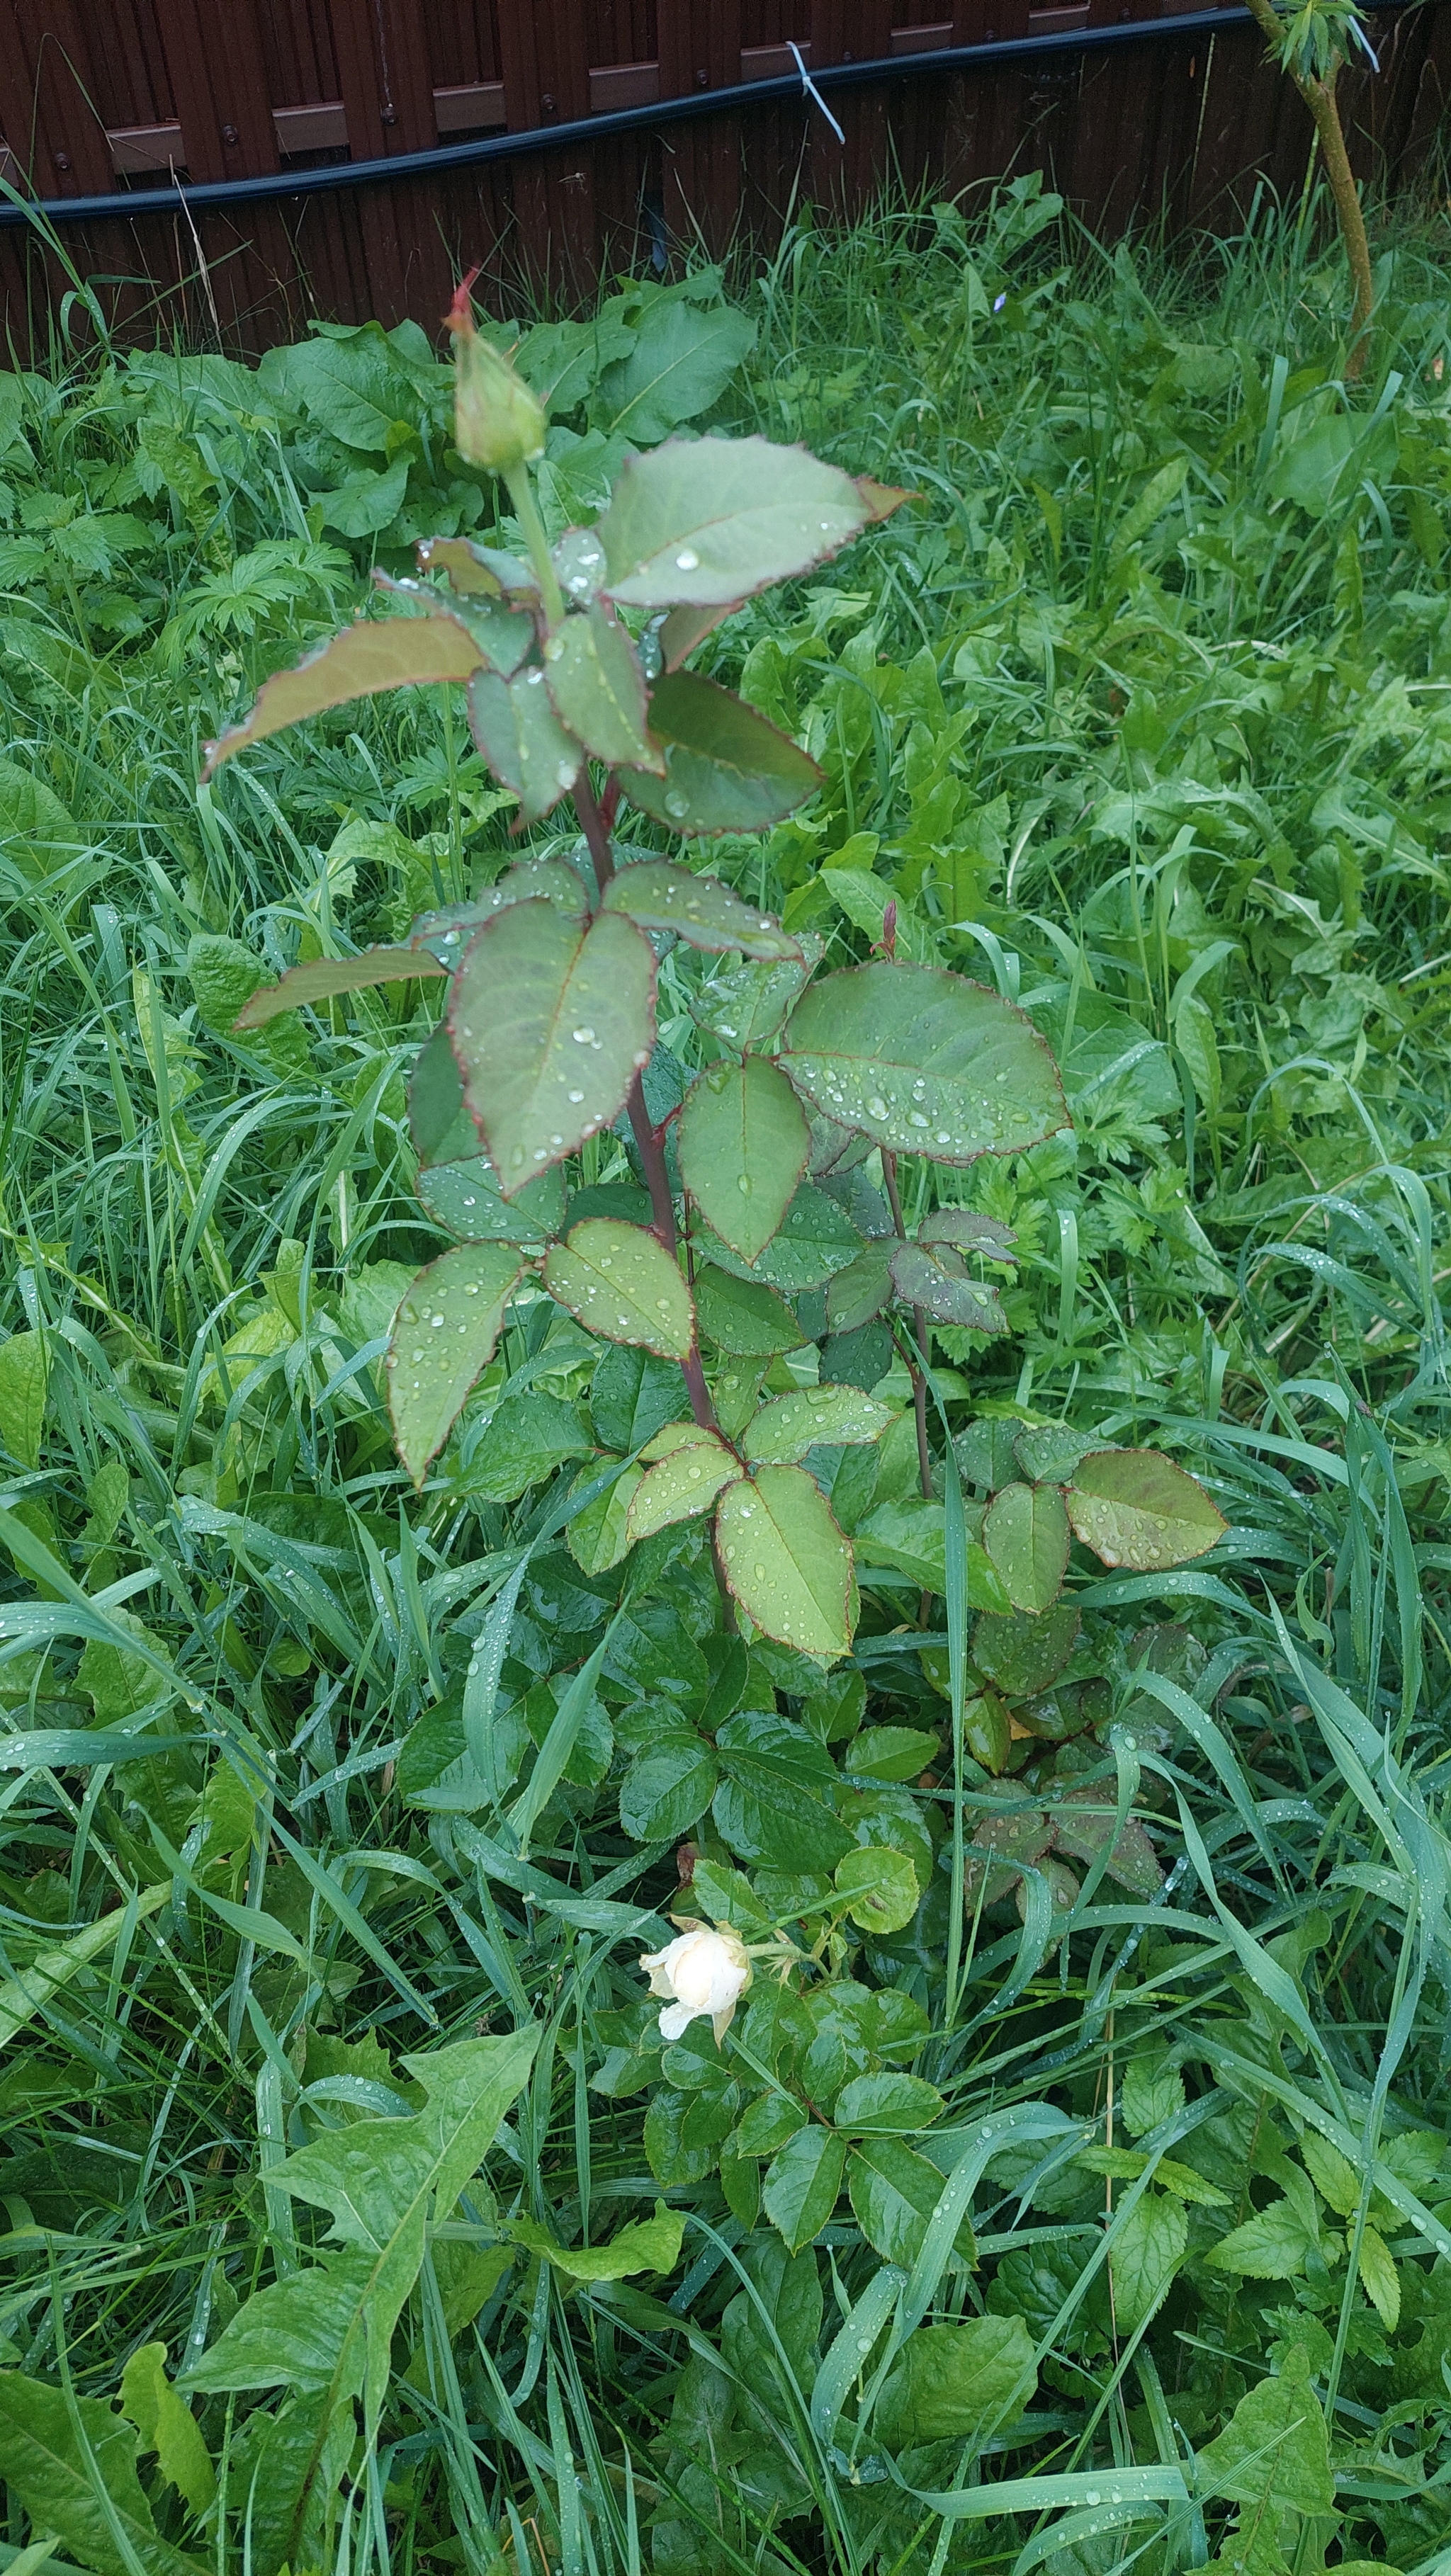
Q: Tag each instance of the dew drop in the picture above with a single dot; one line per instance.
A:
(687, 560)
(876, 1107)
(535, 679)
(584, 1037)
(576, 1097)
(677, 804)
(436, 1321)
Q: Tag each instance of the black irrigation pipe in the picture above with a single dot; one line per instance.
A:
(127, 202)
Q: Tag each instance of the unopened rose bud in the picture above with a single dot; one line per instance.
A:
(704, 1972)
(499, 423)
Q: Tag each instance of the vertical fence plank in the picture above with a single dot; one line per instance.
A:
(219, 89)
(850, 31)
(387, 89)
(700, 49)
(46, 89)
(544, 58)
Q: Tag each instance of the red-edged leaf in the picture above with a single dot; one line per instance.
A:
(320, 978)
(372, 655)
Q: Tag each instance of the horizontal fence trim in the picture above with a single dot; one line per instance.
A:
(744, 95)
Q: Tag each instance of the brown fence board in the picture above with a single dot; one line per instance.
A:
(98, 93)
(700, 50)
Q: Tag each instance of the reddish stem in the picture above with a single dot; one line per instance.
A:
(649, 1140)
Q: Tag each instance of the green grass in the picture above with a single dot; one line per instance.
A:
(1140, 713)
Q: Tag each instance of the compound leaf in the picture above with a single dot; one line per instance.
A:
(684, 1483)
(550, 1024)
(743, 1316)
(935, 1278)
(726, 769)
(522, 739)
(1136, 1508)
(443, 1337)
(815, 1417)
(707, 522)
(598, 688)
(620, 1281)
(802, 2183)
(786, 1561)
(699, 909)
(924, 1062)
(374, 654)
(1025, 1532)
(743, 1143)
(318, 979)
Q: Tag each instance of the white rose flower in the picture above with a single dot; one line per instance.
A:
(702, 1972)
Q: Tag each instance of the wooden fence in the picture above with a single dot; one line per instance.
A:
(604, 133)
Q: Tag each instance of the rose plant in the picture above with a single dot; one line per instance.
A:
(761, 1303)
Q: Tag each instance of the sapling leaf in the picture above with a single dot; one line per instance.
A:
(1025, 1532)
(957, 2382)
(814, 1240)
(726, 769)
(644, 2245)
(446, 933)
(661, 895)
(598, 688)
(685, 1482)
(24, 1383)
(443, 1337)
(523, 741)
(621, 1282)
(678, 632)
(924, 1062)
(786, 1561)
(934, 1278)
(1135, 1508)
(743, 1317)
(1024, 1654)
(550, 1024)
(1273, 2453)
(466, 1200)
(321, 979)
(707, 522)
(374, 654)
(477, 571)
(860, 1291)
(742, 1142)
(815, 1417)
(1149, 2246)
